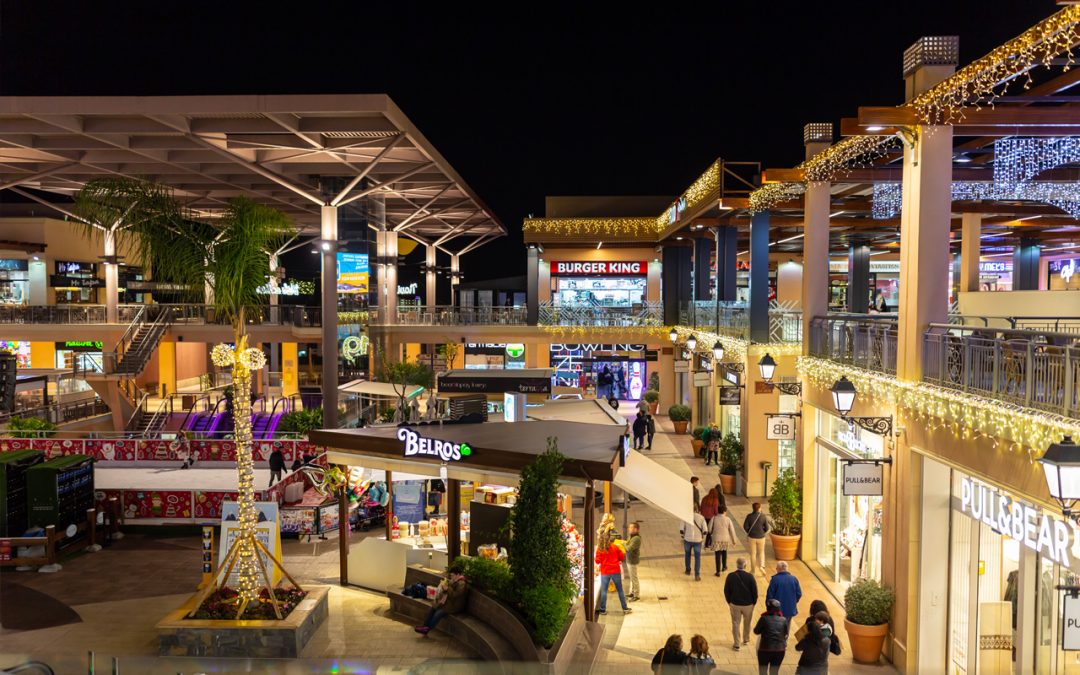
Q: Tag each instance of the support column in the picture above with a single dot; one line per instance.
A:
(858, 286)
(453, 519)
(329, 307)
(759, 277)
(387, 250)
(817, 202)
(1026, 265)
(702, 250)
(590, 549)
(455, 277)
(970, 248)
(727, 255)
(430, 285)
(112, 278)
(532, 286)
(924, 243)
(675, 281)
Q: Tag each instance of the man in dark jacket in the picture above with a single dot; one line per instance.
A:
(640, 426)
(277, 465)
(695, 482)
(756, 527)
(773, 629)
(815, 646)
(650, 430)
(633, 558)
(450, 598)
(740, 591)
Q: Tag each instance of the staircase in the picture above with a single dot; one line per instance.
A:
(137, 344)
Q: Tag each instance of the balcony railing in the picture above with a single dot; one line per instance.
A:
(864, 341)
(733, 318)
(643, 314)
(1036, 369)
(281, 315)
(453, 316)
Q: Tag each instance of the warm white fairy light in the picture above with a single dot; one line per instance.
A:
(222, 355)
(252, 359)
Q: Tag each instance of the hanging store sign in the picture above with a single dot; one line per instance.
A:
(730, 395)
(81, 345)
(682, 366)
(1070, 624)
(493, 384)
(13, 265)
(65, 281)
(702, 378)
(599, 268)
(780, 428)
(415, 444)
(1040, 532)
(864, 480)
(70, 267)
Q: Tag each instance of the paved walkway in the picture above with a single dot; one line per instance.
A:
(674, 603)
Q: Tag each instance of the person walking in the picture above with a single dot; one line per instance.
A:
(693, 534)
(670, 658)
(741, 593)
(815, 607)
(773, 629)
(643, 406)
(815, 646)
(604, 382)
(650, 430)
(723, 537)
(712, 445)
(695, 482)
(640, 427)
(633, 557)
(784, 586)
(699, 660)
(609, 557)
(756, 527)
(710, 505)
(277, 465)
(449, 599)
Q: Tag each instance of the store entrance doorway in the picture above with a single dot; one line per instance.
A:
(624, 380)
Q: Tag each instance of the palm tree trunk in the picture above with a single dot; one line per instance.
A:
(247, 564)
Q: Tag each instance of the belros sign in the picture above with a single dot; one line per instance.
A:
(415, 444)
(600, 268)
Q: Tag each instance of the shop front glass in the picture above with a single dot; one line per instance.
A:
(600, 292)
(14, 282)
(601, 369)
(83, 355)
(494, 356)
(75, 282)
(849, 527)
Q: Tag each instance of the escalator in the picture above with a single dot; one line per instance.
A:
(264, 424)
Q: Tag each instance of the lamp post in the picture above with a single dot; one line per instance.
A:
(844, 393)
(718, 351)
(673, 336)
(767, 366)
(1061, 465)
(691, 343)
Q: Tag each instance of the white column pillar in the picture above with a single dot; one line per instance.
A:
(970, 245)
(112, 279)
(387, 247)
(924, 243)
(455, 277)
(815, 273)
(431, 288)
(328, 245)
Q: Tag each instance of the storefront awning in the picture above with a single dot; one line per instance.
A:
(656, 486)
(383, 389)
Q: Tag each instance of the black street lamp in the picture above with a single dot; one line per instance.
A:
(691, 343)
(1061, 464)
(767, 365)
(843, 393)
(673, 336)
(718, 351)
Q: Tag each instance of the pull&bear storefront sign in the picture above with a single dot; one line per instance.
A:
(1047, 536)
(415, 444)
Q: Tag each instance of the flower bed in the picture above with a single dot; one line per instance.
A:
(221, 605)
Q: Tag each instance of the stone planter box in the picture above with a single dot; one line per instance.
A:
(178, 636)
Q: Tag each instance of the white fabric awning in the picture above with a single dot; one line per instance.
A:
(657, 486)
(383, 389)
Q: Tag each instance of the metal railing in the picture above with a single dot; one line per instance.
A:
(1036, 369)
(61, 413)
(733, 318)
(862, 340)
(283, 315)
(453, 316)
(642, 314)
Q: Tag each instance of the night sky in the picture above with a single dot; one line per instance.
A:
(531, 102)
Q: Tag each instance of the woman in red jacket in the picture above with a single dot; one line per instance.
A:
(609, 557)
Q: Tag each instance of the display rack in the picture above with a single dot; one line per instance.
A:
(13, 511)
(60, 491)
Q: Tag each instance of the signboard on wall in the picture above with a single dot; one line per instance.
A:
(1070, 624)
(730, 395)
(762, 387)
(352, 272)
(599, 268)
(682, 366)
(702, 378)
(864, 480)
(780, 428)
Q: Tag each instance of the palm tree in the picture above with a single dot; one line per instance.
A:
(228, 256)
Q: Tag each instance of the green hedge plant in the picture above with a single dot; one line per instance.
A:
(490, 576)
(301, 421)
(654, 381)
(37, 426)
(731, 454)
(651, 396)
(698, 433)
(679, 413)
(785, 503)
(868, 603)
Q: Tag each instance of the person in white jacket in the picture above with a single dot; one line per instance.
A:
(693, 534)
(723, 537)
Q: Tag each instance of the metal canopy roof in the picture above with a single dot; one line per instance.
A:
(273, 149)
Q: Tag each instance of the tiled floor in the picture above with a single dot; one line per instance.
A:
(154, 574)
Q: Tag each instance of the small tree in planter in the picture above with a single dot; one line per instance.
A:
(697, 440)
(785, 510)
(652, 397)
(679, 415)
(867, 605)
(731, 454)
(654, 381)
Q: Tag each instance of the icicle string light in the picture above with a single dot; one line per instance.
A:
(1066, 196)
(1018, 160)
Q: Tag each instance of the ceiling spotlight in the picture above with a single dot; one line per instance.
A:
(875, 127)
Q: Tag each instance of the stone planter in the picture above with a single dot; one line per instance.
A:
(697, 446)
(784, 546)
(727, 482)
(653, 407)
(273, 639)
(866, 641)
(680, 427)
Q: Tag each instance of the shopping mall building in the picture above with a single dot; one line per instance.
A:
(926, 260)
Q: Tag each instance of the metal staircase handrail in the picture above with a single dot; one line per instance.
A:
(160, 417)
(125, 339)
(140, 408)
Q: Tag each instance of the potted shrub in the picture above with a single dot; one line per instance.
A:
(868, 605)
(654, 381)
(652, 397)
(785, 510)
(697, 440)
(731, 453)
(679, 415)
